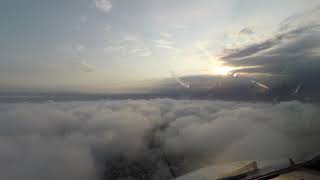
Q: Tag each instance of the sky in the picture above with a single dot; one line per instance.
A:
(178, 51)
(150, 45)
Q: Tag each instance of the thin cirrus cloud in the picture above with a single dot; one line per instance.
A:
(129, 45)
(134, 47)
(165, 44)
(142, 52)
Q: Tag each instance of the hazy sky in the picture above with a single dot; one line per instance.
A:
(109, 45)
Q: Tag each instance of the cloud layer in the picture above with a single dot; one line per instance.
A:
(90, 140)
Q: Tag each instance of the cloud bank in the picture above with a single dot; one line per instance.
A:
(106, 139)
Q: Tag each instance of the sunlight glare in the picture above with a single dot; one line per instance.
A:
(222, 70)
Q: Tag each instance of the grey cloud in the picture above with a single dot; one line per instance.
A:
(81, 140)
(295, 45)
(250, 50)
(288, 44)
(277, 43)
(296, 53)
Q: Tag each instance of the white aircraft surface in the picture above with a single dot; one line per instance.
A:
(259, 170)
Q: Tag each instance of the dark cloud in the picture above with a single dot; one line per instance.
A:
(250, 50)
(297, 41)
(284, 60)
(90, 140)
(289, 57)
(302, 39)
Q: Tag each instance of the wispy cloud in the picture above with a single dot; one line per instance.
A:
(166, 35)
(130, 45)
(165, 44)
(85, 67)
(142, 52)
(246, 31)
(114, 48)
(103, 5)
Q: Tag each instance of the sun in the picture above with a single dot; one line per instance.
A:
(222, 70)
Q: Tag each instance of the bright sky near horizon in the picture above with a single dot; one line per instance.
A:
(118, 45)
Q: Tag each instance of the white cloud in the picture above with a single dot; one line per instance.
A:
(103, 5)
(78, 140)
